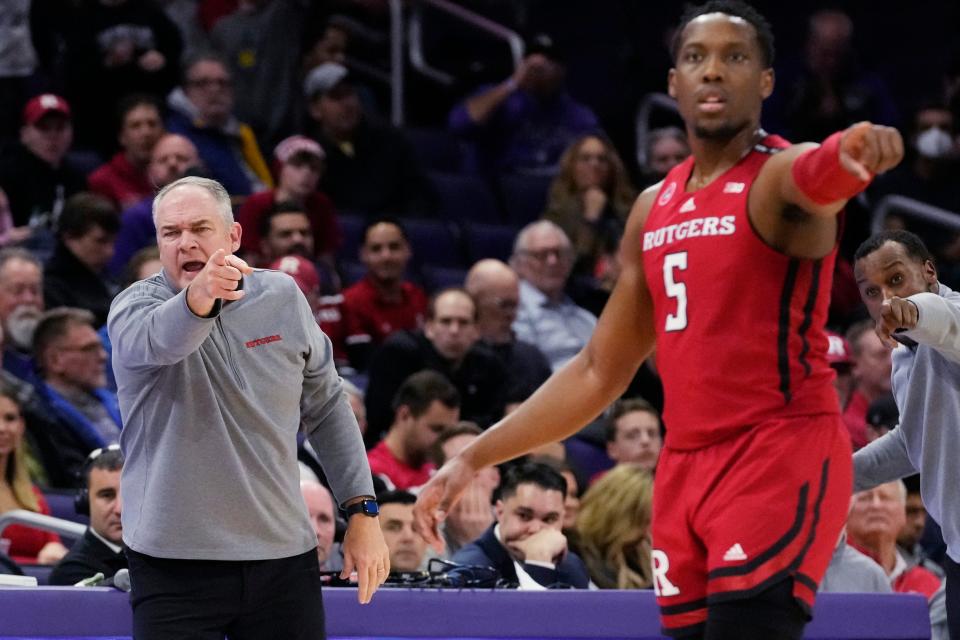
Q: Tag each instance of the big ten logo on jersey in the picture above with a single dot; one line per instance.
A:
(661, 584)
(693, 228)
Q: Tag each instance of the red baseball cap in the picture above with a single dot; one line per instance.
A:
(838, 350)
(301, 270)
(41, 105)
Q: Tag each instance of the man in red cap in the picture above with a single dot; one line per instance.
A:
(841, 361)
(34, 174)
(325, 308)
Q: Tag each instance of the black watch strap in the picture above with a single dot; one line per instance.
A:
(367, 506)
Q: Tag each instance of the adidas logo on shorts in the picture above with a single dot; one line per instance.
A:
(734, 554)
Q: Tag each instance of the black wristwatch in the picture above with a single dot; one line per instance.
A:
(367, 506)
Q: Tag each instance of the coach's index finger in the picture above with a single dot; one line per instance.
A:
(239, 264)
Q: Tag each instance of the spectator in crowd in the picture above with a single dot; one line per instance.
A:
(634, 433)
(371, 168)
(882, 416)
(524, 123)
(113, 48)
(100, 550)
(9, 234)
(590, 199)
(908, 540)
(547, 317)
(666, 148)
(172, 157)
(299, 162)
(74, 275)
(495, 288)
(202, 110)
(330, 45)
(44, 453)
(383, 301)
(35, 173)
(424, 406)
(876, 518)
(294, 264)
(27, 545)
(262, 41)
(323, 518)
(613, 529)
(554, 456)
(21, 303)
(470, 517)
(526, 544)
(828, 90)
(408, 551)
(929, 176)
(124, 180)
(72, 366)
(447, 344)
(871, 375)
(850, 571)
(841, 361)
(285, 230)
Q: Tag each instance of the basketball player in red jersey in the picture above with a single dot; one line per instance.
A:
(726, 267)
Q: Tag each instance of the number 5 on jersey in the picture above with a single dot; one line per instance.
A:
(677, 290)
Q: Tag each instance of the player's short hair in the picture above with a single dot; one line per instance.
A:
(536, 473)
(624, 406)
(422, 389)
(911, 242)
(736, 8)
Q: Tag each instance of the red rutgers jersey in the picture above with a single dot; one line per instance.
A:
(740, 337)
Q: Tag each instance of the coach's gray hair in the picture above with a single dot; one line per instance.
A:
(212, 187)
(520, 244)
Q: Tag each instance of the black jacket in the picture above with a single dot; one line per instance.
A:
(87, 557)
(481, 379)
(67, 282)
(487, 551)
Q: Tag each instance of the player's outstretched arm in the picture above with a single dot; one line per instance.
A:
(573, 396)
(820, 179)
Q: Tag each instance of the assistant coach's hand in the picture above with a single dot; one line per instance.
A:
(218, 279)
(365, 552)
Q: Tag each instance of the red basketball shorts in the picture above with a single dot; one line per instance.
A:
(735, 518)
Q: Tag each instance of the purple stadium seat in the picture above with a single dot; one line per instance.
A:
(489, 240)
(436, 278)
(464, 197)
(435, 242)
(436, 149)
(524, 197)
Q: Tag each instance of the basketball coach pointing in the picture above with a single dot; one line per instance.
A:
(218, 366)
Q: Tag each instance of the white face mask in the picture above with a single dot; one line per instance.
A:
(934, 143)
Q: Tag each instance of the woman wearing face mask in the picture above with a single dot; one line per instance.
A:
(928, 175)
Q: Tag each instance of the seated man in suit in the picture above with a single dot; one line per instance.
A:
(526, 544)
(100, 550)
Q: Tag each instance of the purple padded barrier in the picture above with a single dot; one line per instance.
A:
(406, 613)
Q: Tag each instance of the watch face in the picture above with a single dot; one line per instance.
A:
(370, 507)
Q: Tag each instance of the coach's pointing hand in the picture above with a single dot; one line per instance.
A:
(218, 279)
(896, 313)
